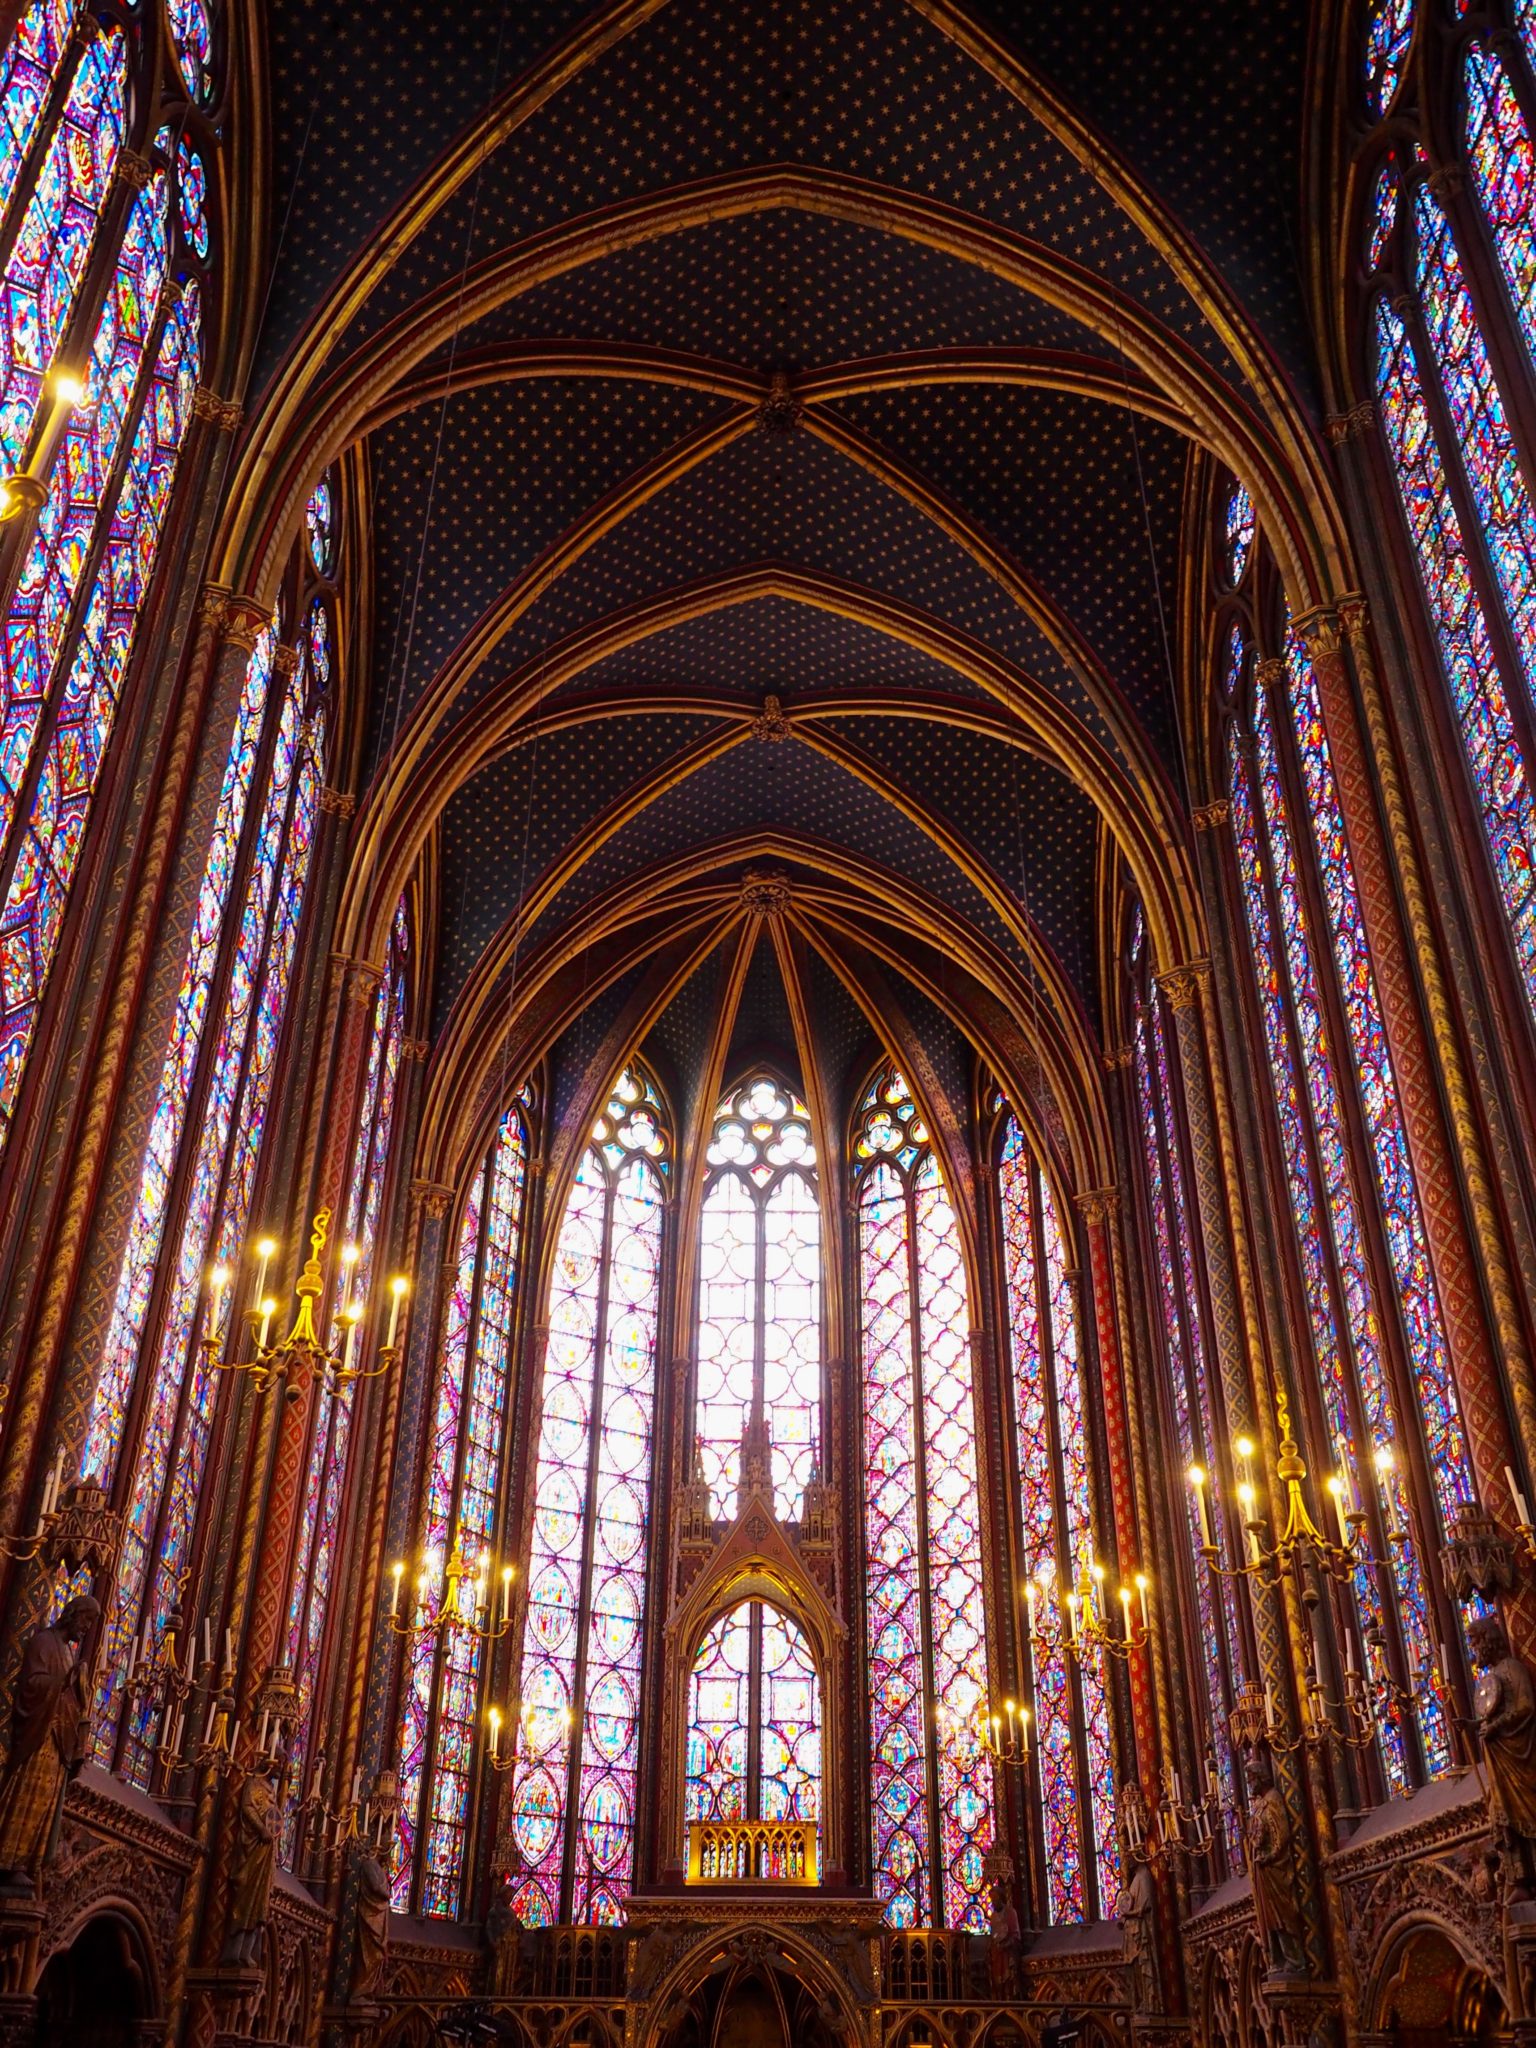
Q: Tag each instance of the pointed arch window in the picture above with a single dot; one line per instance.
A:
(754, 1720)
(1385, 1399)
(1074, 1747)
(462, 1518)
(151, 1418)
(1451, 321)
(332, 1419)
(575, 1775)
(101, 346)
(759, 1327)
(1189, 1369)
(931, 1791)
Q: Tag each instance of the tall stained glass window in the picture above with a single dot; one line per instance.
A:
(1073, 1746)
(931, 1791)
(89, 552)
(574, 1782)
(1189, 1368)
(152, 1415)
(754, 1720)
(445, 1671)
(331, 1420)
(759, 1328)
(1363, 1278)
(1451, 319)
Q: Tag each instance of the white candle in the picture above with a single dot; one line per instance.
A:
(506, 1592)
(207, 1640)
(1349, 1650)
(1178, 1788)
(495, 1734)
(268, 1310)
(1521, 1510)
(1197, 1481)
(58, 1475)
(1024, 1731)
(1029, 1598)
(1125, 1610)
(264, 1252)
(261, 1740)
(357, 1786)
(234, 1738)
(1269, 1706)
(396, 1296)
(347, 1348)
(397, 1571)
(217, 1280)
(1336, 1488)
(1142, 1583)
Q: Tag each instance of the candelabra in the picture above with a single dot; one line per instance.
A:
(1005, 1737)
(430, 1614)
(366, 1818)
(301, 1355)
(522, 1717)
(76, 1529)
(1088, 1632)
(1157, 1831)
(160, 1682)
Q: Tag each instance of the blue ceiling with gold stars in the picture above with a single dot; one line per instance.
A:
(780, 359)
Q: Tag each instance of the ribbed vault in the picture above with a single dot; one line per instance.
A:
(781, 435)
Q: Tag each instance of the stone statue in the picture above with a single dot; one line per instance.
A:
(1002, 1955)
(50, 1725)
(372, 1927)
(256, 1827)
(503, 1935)
(1282, 1934)
(1505, 1704)
(1135, 1909)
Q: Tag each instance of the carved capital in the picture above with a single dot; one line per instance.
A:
(223, 413)
(415, 1049)
(1269, 674)
(1321, 631)
(1182, 987)
(213, 606)
(359, 978)
(1350, 425)
(337, 803)
(285, 663)
(432, 1197)
(1355, 616)
(1208, 817)
(1098, 1204)
(771, 722)
(765, 892)
(244, 621)
(780, 411)
(133, 172)
(1118, 1058)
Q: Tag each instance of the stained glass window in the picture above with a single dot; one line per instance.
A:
(931, 1792)
(192, 37)
(445, 1672)
(1072, 1746)
(28, 70)
(1389, 31)
(89, 559)
(577, 1743)
(1239, 535)
(331, 1423)
(216, 1091)
(1486, 465)
(760, 1294)
(1503, 167)
(754, 1720)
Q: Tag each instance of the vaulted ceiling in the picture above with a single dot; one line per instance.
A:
(778, 429)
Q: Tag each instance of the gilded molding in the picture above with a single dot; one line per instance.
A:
(1209, 817)
(245, 619)
(1183, 986)
(337, 803)
(417, 1049)
(780, 412)
(223, 413)
(1118, 1059)
(1321, 630)
(285, 662)
(1269, 673)
(771, 722)
(1351, 425)
(1097, 1205)
(765, 893)
(432, 1196)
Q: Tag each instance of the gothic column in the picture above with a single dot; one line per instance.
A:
(1250, 1401)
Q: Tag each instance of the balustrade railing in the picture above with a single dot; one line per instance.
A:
(752, 1852)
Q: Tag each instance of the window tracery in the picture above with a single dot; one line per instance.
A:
(931, 1792)
(754, 1720)
(445, 1669)
(576, 1761)
(759, 1321)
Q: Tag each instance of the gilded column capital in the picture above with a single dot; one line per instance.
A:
(1355, 615)
(1098, 1204)
(223, 413)
(418, 1049)
(360, 978)
(1350, 425)
(1321, 631)
(431, 1196)
(1118, 1058)
(285, 663)
(1183, 986)
(244, 621)
(337, 803)
(132, 171)
(1210, 817)
(1269, 672)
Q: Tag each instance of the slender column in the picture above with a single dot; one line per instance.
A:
(1240, 1357)
(1101, 1211)
(1416, 1070)
(1502, 1294)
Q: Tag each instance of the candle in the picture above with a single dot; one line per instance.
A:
(268, 1311)
(1197, 1481)
(1024, 1732)
(397, 1571)
(207, 1640)
(1445, 1665)
(1384, 1469)
(1349, 1651)
(506, 1593)
(354, 1310)
(1142, 1583)
(357, 1786)
(133, 1660)
(1269, 1706)
(1244, 1449)
(397, 1292)
(1125, 1610)
(1336, 1488)
(1246, 1496)
(261, 1740)
(495, 1733)
(58, 1480)
(191, 1652)
(1346, 1477)
(264, 1251)
(218, 1280)
(234, 1737)
(1029, 1600)
(1072, 1621)
(1521, 1510)
(1178, 1788)
(1211, 1785)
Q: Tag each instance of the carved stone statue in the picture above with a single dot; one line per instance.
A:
(503, 1936)
(1135, 1909)
(1002, 1955)
(49, 1729)
(1505, 1703)
(1272, 1866)
(372, 1927)
(256, 1827)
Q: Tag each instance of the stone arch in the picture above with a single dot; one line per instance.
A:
(100, 1984)
(1431, 1984)
(699, 1983)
